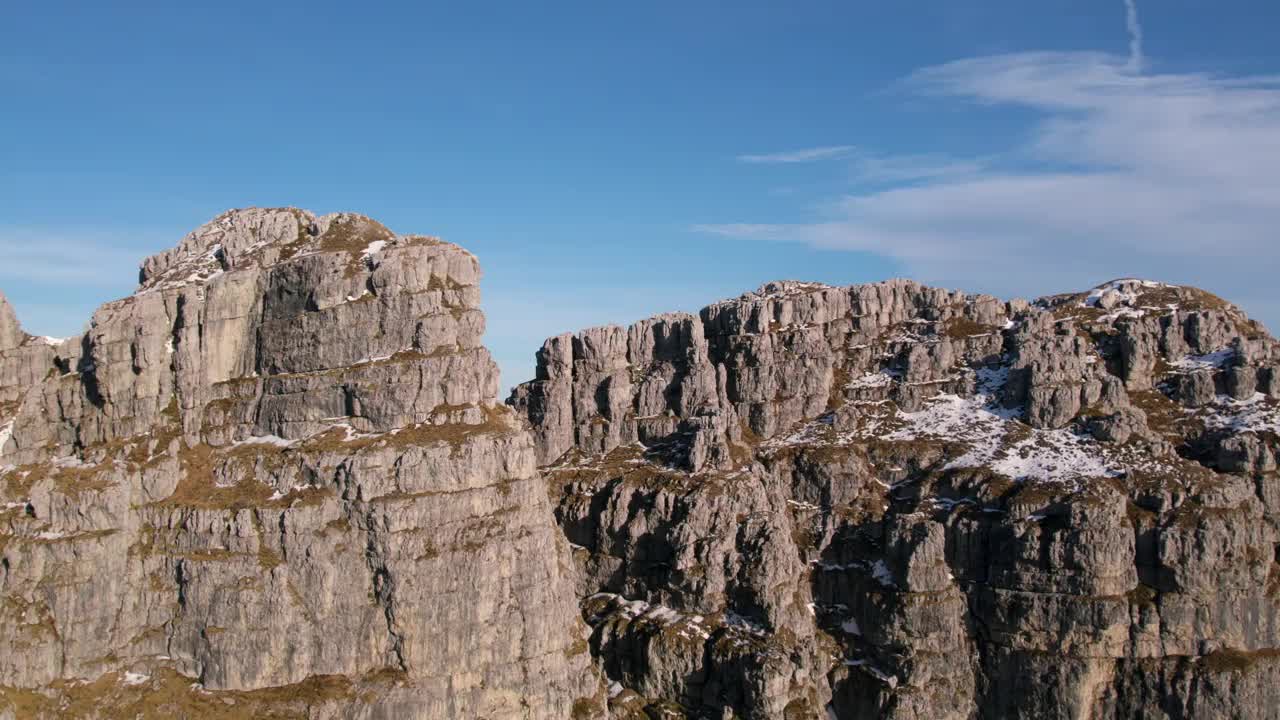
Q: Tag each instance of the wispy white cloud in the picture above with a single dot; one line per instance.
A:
(54, 257)
(799, 156)
(886, 169)
(869, 167)
(1170, 175)
(1134, 27)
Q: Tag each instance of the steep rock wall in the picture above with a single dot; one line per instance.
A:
(897, 501)
(276, 482)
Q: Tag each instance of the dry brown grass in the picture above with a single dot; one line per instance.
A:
(1163, 415)
(169, 695)
(499, 420)
(961, 327)
(352, 234)
(1237, 661)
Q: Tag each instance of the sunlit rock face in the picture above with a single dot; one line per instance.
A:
(897, 501)
(276, 482)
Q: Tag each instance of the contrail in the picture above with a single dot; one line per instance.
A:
(1135, 35)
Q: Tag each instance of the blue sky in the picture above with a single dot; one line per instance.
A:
(609, 161)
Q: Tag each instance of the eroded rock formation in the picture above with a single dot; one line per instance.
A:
(276, 482)
(896, 501)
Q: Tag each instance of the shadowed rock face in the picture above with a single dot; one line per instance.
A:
(275, 482)
(896, 501)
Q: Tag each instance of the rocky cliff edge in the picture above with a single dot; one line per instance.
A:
(275, 482)
(896, 501)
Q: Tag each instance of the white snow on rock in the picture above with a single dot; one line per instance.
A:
(1257, 414)
(275, 440)
(1215, 360)
(132, 678)
(374, 247)
(1121, 298)
(994, 437)
(280, 494)
(977, 421)
(870, 380)
(877, 673)
(774, 291)
(687, 626)
(1120, 290)
(881, 573)
(6, 431)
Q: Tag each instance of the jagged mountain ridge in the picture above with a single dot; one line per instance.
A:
(891, 500)
(276, 482)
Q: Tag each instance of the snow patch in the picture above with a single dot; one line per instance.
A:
(984, 426)
(687, 626)
(6, 432)
(1256, 414)
(132, 678)
(874, 671)
(881, 573)
(263, 440)
(736, 621)
(1215, 360)
(870, 380)
(280, 494)
(1116, 286)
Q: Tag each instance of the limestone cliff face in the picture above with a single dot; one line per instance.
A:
(897, 501)
(276, 482)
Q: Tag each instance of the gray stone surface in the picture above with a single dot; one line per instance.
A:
(276, 482)
(11, 335)
(896, 501)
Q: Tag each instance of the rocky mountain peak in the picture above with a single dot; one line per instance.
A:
(11, 335)
(262, 237)
(276, 482)
(904, 476)
(277, 477)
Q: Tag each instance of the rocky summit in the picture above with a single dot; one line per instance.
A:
(277, 482)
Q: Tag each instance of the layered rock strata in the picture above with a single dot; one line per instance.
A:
(275, 482)
(896, 501)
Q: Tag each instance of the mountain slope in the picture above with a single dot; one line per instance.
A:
(891, 500)
(276, 482)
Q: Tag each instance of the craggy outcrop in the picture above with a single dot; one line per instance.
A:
(896, 501)
(276, 482)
